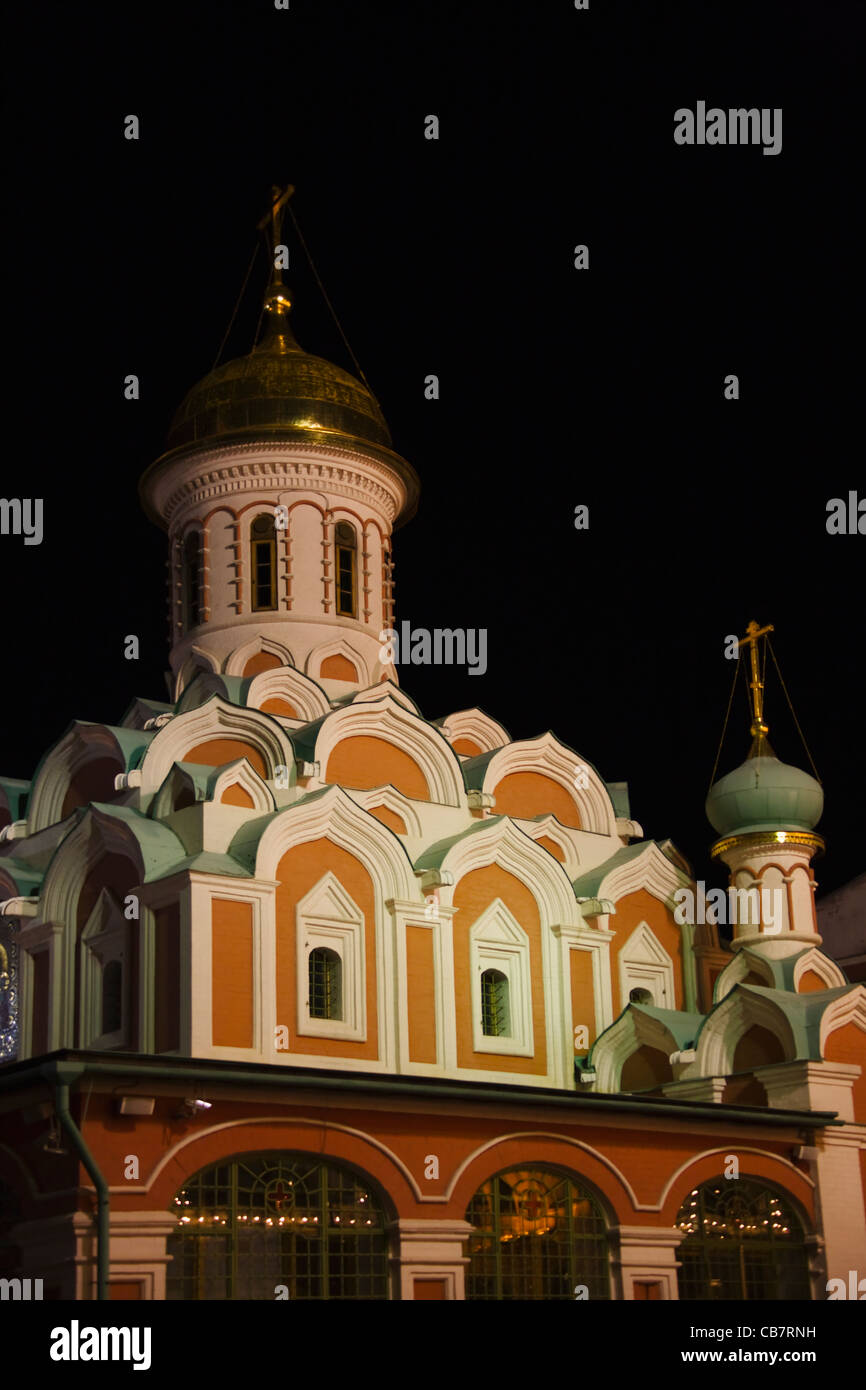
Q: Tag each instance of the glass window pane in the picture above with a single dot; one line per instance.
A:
(278, 1218)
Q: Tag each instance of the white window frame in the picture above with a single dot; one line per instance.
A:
(106, 937)
(329, 917)
(645, 964)
(498, 942)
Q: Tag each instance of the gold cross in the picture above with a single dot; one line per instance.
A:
(759, 728)
(279, 198)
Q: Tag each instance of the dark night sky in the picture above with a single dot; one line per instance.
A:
(455, 257)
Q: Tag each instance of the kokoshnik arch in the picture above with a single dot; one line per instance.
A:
(305, 994)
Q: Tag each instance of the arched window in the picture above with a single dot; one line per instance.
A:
(742, 1241)
(347, 585)
(640, 996)
(538, 1235)
(191, 580)
(326, 983)
(250, 1224)
(112, 997)
(495, 1014)
(263, 563)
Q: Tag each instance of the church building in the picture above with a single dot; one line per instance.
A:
(308, 993)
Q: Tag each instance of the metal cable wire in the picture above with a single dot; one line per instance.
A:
(357, 364)
(725, 725)
(237, 306)
(793, 715)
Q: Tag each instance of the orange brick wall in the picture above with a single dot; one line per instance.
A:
(528, 794)
(216, 751)
(582, 993)
(472, 896)
(371, 762)
(297, 872)
(232, 973)
(338, 668)
(630, 912)
(848, 1044)
(420, 983)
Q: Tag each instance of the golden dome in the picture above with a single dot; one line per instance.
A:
(278, 390)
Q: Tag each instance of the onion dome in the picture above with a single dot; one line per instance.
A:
(279, 391)
(764, 794)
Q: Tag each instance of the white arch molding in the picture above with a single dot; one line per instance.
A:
(338, 646)
(633, 1030)
(334, 816)
(645, 964)
(724, 1151)
(846, 1008)
(287, 683)
(81, 745)
(477, 726)
(746, 1006)
(534, 1134)
(392, 800)
(172, 1154)
(387, 718)
(238, 658)
(551, 758)
(213, 720)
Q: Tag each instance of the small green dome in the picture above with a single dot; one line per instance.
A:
(764, 794)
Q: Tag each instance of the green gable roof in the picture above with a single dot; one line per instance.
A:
(27, 880)
(618, 793)
(234, 691)
(160, 847)
(16, 795)
(207, 863)
(155, 707)
(804, 1013)
(588, 884)
(133, 743)
(244, 846)
(433, 856)
(683, 1027)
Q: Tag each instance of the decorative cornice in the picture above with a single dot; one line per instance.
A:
(225, 471)
(768, 841)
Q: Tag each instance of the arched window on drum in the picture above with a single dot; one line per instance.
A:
(263, 563)
(346, 544)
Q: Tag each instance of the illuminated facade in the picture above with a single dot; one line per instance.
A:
(307, 995)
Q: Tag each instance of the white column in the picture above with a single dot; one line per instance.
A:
(647, 1255)
(430, 1250)
(836, 1171)
(138, 1253)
